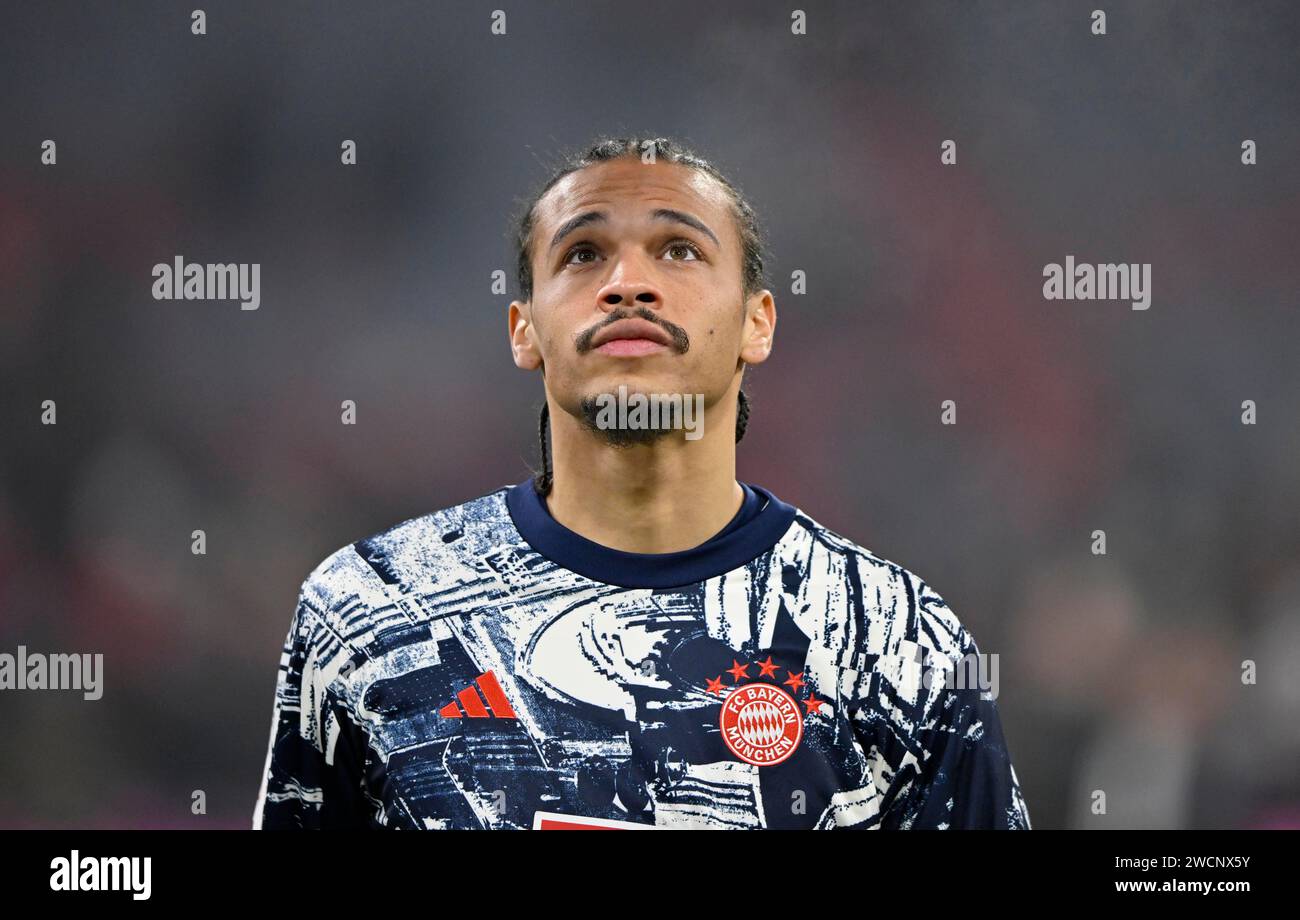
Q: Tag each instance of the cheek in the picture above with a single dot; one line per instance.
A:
(555, 338)
(711, 358)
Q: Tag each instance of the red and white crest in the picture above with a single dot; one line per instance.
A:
(761, 723)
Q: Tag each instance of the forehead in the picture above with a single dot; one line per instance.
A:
(628, 184)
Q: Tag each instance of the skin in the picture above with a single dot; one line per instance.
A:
(671, 494)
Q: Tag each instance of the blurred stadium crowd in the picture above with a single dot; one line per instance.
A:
(1119, 673)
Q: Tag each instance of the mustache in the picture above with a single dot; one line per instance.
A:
(681, 341)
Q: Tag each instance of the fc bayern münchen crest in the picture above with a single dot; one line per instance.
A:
(761, 723)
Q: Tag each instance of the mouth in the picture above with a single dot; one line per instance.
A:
(631, 338)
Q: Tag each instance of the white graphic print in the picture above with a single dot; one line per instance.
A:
(444, 674)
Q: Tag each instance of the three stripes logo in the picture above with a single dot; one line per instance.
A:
(477, 706)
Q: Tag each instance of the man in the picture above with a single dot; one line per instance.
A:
(631, 638)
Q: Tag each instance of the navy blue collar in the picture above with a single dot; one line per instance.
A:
(748, 536)
(751, 504)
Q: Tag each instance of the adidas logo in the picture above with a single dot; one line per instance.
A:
(473, 703)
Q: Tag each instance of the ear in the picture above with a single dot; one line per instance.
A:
(760, 326)
(522, 346)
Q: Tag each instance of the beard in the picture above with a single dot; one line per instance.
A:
(594, 416)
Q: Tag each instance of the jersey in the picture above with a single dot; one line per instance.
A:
(485, 667)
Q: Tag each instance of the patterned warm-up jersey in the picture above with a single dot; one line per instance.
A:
(485, 667)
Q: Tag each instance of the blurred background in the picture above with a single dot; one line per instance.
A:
(1119, 672)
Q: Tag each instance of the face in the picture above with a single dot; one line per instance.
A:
(637, 281)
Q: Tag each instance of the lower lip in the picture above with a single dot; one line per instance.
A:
(631, 348)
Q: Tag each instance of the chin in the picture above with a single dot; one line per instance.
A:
(635, 383)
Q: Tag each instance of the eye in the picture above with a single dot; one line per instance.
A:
(678, 244)
(687, 245)
(581, 247)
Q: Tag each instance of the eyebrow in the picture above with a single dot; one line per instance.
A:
(669, 215)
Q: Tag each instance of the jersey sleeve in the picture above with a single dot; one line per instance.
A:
(962, 777)
(313, 775)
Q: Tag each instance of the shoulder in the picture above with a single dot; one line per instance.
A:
(892, 610)
(375, 571)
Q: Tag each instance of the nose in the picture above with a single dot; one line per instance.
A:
(627, 288)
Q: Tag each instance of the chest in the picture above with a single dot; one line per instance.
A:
(631, 708)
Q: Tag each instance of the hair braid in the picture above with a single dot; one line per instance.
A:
(542, 481)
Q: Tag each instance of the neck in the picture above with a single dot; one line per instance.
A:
(665, 497)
